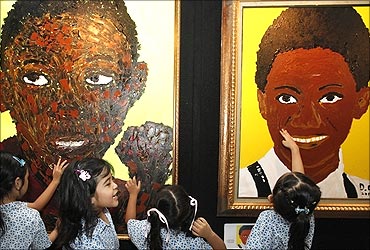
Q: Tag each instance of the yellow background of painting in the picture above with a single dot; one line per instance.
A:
(255, 138)
(155, 27)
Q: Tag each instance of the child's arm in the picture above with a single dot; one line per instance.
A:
(201, 228)
(45, 197)
(54, 234)
(133, 188)
(297, 164)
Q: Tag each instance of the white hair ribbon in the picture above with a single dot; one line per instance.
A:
(162, 218)
(193, 203)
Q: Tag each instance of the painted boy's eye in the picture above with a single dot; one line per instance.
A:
(35, 79)
(99, 79)
(331, 97)
(286, 99)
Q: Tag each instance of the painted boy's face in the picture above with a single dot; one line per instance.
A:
(71, 82)
(244, 235)
(312, 94)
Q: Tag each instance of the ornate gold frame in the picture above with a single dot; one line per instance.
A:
(228, 202)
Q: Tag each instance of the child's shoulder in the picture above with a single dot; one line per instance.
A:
(267, 213)
(134, 223)
(269, 216)
(16, 206)
(19, 210)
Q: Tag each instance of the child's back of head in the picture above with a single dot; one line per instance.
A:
(11, 167)
(295, 196)
(176, 206)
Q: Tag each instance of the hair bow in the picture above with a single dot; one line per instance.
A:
(83, 174)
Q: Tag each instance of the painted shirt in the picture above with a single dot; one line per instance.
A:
(24, 227)
(103, 237)
(138, 230)
(274, 168)
(271, 231)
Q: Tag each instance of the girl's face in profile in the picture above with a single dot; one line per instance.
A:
(106, 193)
(70, 88)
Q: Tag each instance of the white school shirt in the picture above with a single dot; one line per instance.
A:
(331, 187)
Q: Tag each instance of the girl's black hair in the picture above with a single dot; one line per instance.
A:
(174, 203)
(75, 192)
(11, 167)
(295, 196)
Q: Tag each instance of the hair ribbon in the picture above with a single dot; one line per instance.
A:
(299, 210)
(162, 218)
(19, 160)
(193, 203)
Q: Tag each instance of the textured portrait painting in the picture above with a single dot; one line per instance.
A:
(89, 79)
(305, 69)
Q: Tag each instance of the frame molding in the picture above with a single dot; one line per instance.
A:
(228, 204)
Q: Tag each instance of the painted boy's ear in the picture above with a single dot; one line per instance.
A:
(141, 71)
(137, 81)
(262, 103)
(5, 97)
(363, 97)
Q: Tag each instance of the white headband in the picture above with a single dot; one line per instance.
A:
(193, 203)
(162, 218)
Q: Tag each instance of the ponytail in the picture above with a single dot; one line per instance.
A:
(173, 209)
(298, 231)
(295, 197)
(154, 236)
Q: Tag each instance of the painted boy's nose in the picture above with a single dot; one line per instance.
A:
(307, 117)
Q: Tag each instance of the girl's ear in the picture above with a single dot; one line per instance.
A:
(18, 183)
(270, 198)
(93, 200)
(137, 81)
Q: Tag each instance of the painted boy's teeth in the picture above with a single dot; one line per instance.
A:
(69, 143)
(310, 140)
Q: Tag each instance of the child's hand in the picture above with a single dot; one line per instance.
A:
(201, 228)
(58, 169)
(133, 186)
(288, 140)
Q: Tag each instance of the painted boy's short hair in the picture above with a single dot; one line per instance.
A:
(24, 9)
(340, 29)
